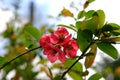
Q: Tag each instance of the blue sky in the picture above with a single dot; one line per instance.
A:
(53, 7)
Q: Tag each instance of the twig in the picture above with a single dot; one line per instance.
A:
(80, 57)
(4, 65)
(72, 28)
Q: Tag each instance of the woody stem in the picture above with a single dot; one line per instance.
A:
(4, 65)
(80, 57)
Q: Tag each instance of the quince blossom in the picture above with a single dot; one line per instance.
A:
(58, 45)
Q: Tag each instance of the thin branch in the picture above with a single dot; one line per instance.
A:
(80, 57)
(4, 65)
(72, 28)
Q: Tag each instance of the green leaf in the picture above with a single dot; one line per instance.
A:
(108, 49)
(89, 14)
(33, 31)
(76, 68)
(101, 15)
(95, 76)
(88, 34)
(116, 29)
(83, 39)
(114, 25)
(75, 76)
(90, 24)
(110, 27)
(115, 32)
(57, 78)
(81, 14)
(89, 60)
(90, 1)
(77, 24)
(43, 61)
(29, 44)
(2, 60)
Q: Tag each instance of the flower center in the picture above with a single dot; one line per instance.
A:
(54, 52)
(61, 38)
(69, 47)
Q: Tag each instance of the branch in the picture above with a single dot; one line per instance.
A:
(80, 57)
(4, 65)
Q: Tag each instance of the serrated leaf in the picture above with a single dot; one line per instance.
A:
(33, 31)
(89, 60)
(101, 15)
(82, 39)
(108, 49)
(66, 12)
(81, 14)
(95, 76)
(76, 68)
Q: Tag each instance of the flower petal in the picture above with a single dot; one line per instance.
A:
(44, 40)
(52, 57)
(71, 48)
(74, 44)
(54, 39)
(66, 40)
(62, 31)
(71, 53)
(62, 57)
(47, 50)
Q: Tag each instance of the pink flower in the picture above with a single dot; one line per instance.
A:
(58, 45)
(70, 49)
(60, 36)
(54, 53)
(45, 40)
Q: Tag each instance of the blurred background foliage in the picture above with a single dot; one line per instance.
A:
(34, 65)
(20, 41)
(109, 68)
